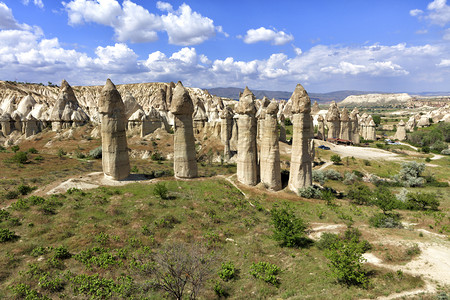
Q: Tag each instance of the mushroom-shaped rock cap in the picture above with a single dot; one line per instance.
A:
(246, 103)
(110, 100)
(344, 115)
(181, 101)
(315, 108)
(301, 103)
(333, 112)
(226, 113)
(401, 123)
(272, 108)
(354, 114)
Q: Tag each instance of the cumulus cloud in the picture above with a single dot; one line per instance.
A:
(7, 20)
(263, 34)
(185, 27)
(444, 63)
(132, 22)
(38, 3)
(438, 12)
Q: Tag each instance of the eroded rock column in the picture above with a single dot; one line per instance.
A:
(354, 126)
(226, 117)
(333, 121)
(270, 150)
(321, 128)
(401, 131)
(247, 160)
(185, 162)
(345, 125)
(302, 146)
(115, 161)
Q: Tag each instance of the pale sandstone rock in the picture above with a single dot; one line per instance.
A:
(371, 131)
(226, 117)
(315, 108)
(333, 121)
(247, 160)
(321, 128)
(354, 126)
(115, 161)
(185, 163)
(401, 131)
(270, 150)
(302, 146)
(345, 125)
(282, 129)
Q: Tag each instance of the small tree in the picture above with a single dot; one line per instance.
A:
(289, 229)
(360, 194)
(422, 201)
(160, 191)
(346, 262)
(181, 267)
(384, 199)
(336, 159)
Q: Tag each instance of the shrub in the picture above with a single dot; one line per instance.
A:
(287, 122)
(61, 252)
(366, 162)
(61, 152)
(15, 148)
(384, 199)
(160, 190)
(25, 291)
(310, 192)
(33, 150)
(19, 158)
(385, 221)
(219, 290)
(439, 146)
(421, 201)
(333, 174)
(350, 178)
(289, 229)
(336, 159)
(227, 271)
(410, 173)
(156, 156)
(327, 240)
(265, 271)
(96, 153)
(360, 194)
(11, 195)
(6, 235)
(426, 149)
(318, 176)
(134, 169)
(346, 262)
(4, 215)
(38, 251)
(24, 189)
(51, 284)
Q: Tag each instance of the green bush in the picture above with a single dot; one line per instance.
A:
(4, 215)
(421, 201)
(385, 200)
(360, 194)
(219, 290)
(96, 153)
(346, 262)
(288, 229)
(61, 252)
(24, 189)
(25, 291)
(327, 240)
(11, 195)
(382, 220)
(227, 271)
(310, 192)
(18, 157)
(265, 271)
(160, 190)
(33, 150)
(6, 235)
(336, 159)
(15, 148)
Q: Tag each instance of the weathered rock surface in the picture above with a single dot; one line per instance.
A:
(354, 126)
(345, 125)
(185, 163)
(247, 160)
(376, 99)
(401, 131)
(226, 117)
(333, 121)
(302, 146)
(270, 150)
(115, 161)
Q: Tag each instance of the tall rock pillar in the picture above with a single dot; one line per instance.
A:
(333, 121)
(345, 125)
(247, 160)
(115, 161)
(401, 131)
(185, 162)
(354, 126)
(302, 146)
(226, 116)
(282, 129)
(321, 128)
(270, 150)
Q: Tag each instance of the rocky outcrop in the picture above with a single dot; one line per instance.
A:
(315, 108)
(302, 146)
(370, 127)
(333, 121)
(282, 129)
(354, 126)
(247, 160)
(321, 128)
(270, 150)
(345, 125)
(376, 99)
(401, 131)
(226, 117)
(185, 163)
(115, 161)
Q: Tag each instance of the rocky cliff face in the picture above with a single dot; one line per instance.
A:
(376, 99)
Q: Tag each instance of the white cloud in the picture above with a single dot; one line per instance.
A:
(185, 27)
(438, 12)
(7, 20)
(422, 31)
(415, 12)
(134, 23)
(267, 35)
(446, 34)
(444, 63)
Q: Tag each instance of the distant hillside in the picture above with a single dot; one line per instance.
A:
(233, 93)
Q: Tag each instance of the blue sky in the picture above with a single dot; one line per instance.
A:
(390, 46)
